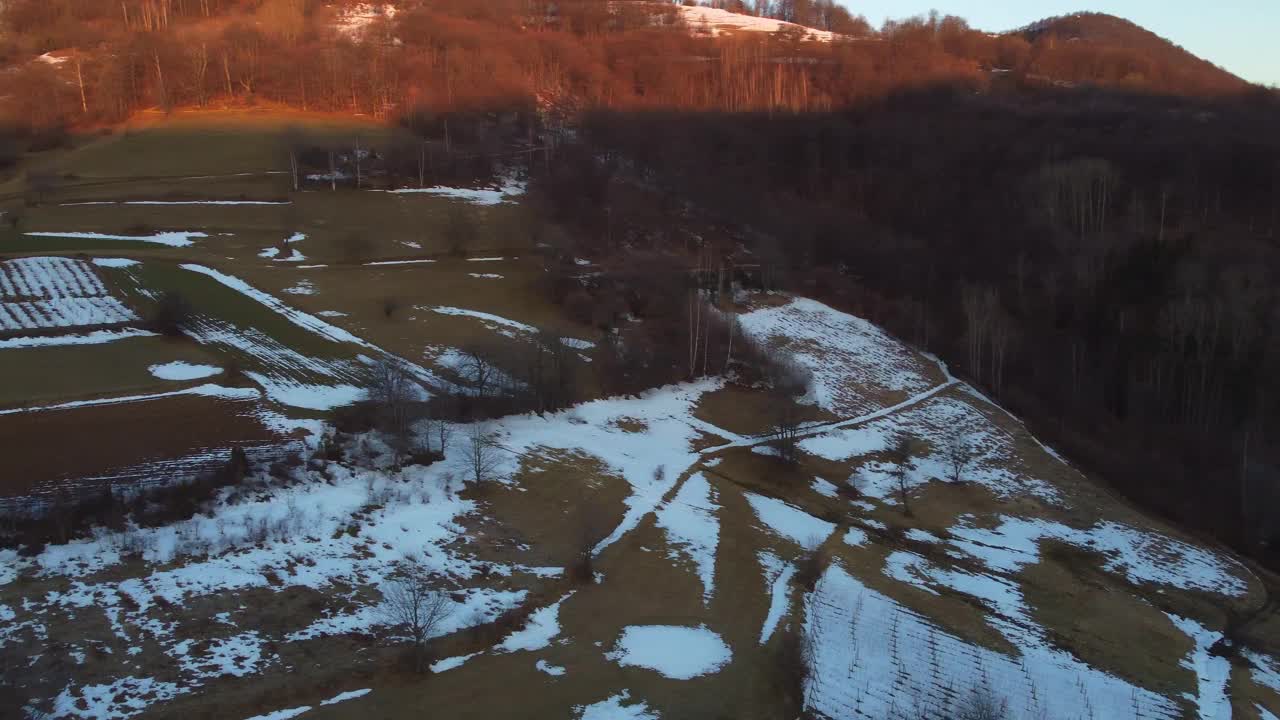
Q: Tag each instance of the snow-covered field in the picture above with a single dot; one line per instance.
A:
(55, 292)
(171, 609)
(716, 22)
(873, 657)
(851, 360)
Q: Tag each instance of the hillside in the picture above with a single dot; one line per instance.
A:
(632, 489)
(89, 63)
(1102, 49)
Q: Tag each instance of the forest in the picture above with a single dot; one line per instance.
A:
(112, 58)
(1104, 265)
(1086, 230)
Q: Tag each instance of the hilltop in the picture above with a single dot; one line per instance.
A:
(1107, 50)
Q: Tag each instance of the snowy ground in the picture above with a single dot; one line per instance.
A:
(338, 531)
(852, 360)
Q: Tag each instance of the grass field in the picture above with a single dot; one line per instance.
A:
(43, 376)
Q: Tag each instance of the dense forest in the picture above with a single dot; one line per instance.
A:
(1079, 216)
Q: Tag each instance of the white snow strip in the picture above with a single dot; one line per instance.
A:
(96, 337)
(777, 577)
(307, 396)
(115, 262)
(824, 488)
(217, 391)
(485, 276)
(541, 628)
(1213, 672)
(486, 259)
(790, 522)
(349, 695)
(1266, 670)
(399, 262)
(475, 196)
(693, 529)
(450, 663)
(484, 317)
(172, 239)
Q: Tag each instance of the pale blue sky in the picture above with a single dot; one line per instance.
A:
(1239, 35)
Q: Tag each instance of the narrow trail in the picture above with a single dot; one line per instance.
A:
(740, 442)
(820, 428)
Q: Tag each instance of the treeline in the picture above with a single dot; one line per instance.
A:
(113, 58)
(1104, 265)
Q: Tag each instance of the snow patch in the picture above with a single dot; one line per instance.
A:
(674, 651)
(179, 370)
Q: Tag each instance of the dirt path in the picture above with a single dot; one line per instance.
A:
(821, 428)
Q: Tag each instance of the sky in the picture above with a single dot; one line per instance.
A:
(1239, 35)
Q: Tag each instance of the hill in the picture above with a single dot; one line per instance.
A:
(1101, 49)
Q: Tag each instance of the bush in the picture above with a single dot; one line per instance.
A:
(171, 315)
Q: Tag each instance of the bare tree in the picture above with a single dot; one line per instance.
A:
(409, 604)
(958, 451)
(478, 368)
(905, 448)
(439, 428)
(482, 453)
(392, 391)
(785, 429)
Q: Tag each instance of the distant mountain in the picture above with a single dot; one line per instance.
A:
(1095, 48)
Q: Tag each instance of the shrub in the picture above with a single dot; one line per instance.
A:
(171, 314)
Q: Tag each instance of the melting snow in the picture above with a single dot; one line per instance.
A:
(91, 338)
(172, 239)
(1141, 556)
(548, 668)
(542, 627)
(115, 262)
(790, 522)
(612, 708)
(450, 663)
(349, 695)
(1213, 672)
(179, 370)
(777, 576)
(693, 529)
(475, 196)
(493, 322)
(673, 651)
